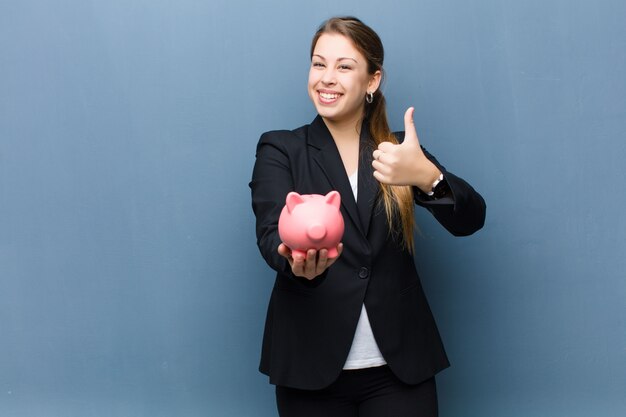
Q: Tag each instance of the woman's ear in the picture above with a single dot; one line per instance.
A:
(374, 82)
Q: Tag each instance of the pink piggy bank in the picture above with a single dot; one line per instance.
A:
(311, 221)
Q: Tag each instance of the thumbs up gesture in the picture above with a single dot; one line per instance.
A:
(405, 163)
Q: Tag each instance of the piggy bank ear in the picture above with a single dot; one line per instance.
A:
(293, 199)
(333, 198)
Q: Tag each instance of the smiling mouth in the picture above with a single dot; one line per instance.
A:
(328, 97)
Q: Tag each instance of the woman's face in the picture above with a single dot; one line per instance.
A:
(338, 79)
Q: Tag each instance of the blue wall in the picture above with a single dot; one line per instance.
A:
(130, 283)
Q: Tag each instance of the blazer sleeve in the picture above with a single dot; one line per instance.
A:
(462, 212)
(271, 182)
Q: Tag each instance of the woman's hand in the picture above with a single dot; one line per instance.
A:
(309, 266)
(405, 163)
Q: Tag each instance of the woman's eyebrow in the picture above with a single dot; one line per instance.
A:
(338, 59)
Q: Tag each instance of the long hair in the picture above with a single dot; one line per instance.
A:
(398, 200)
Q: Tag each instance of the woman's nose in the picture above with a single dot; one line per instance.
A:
(329, 76)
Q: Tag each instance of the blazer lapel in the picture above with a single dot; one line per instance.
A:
(327, 157)
(368, 186)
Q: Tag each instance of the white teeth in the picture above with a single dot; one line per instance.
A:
(328, 96)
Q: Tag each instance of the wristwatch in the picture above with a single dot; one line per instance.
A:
(439, 188)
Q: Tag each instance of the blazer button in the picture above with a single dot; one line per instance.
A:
(364, 273)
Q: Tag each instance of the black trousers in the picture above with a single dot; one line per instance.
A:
(370, 392)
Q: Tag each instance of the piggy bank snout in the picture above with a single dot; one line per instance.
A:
(316, 232)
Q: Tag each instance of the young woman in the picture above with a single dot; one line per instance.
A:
(353, 335)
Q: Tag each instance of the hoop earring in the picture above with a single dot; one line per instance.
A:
(369, 97)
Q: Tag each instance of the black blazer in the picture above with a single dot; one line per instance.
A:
(310, 324)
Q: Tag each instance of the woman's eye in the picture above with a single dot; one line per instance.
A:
(345, 67)
(318, 65)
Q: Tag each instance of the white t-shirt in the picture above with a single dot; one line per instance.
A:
(364, 352)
